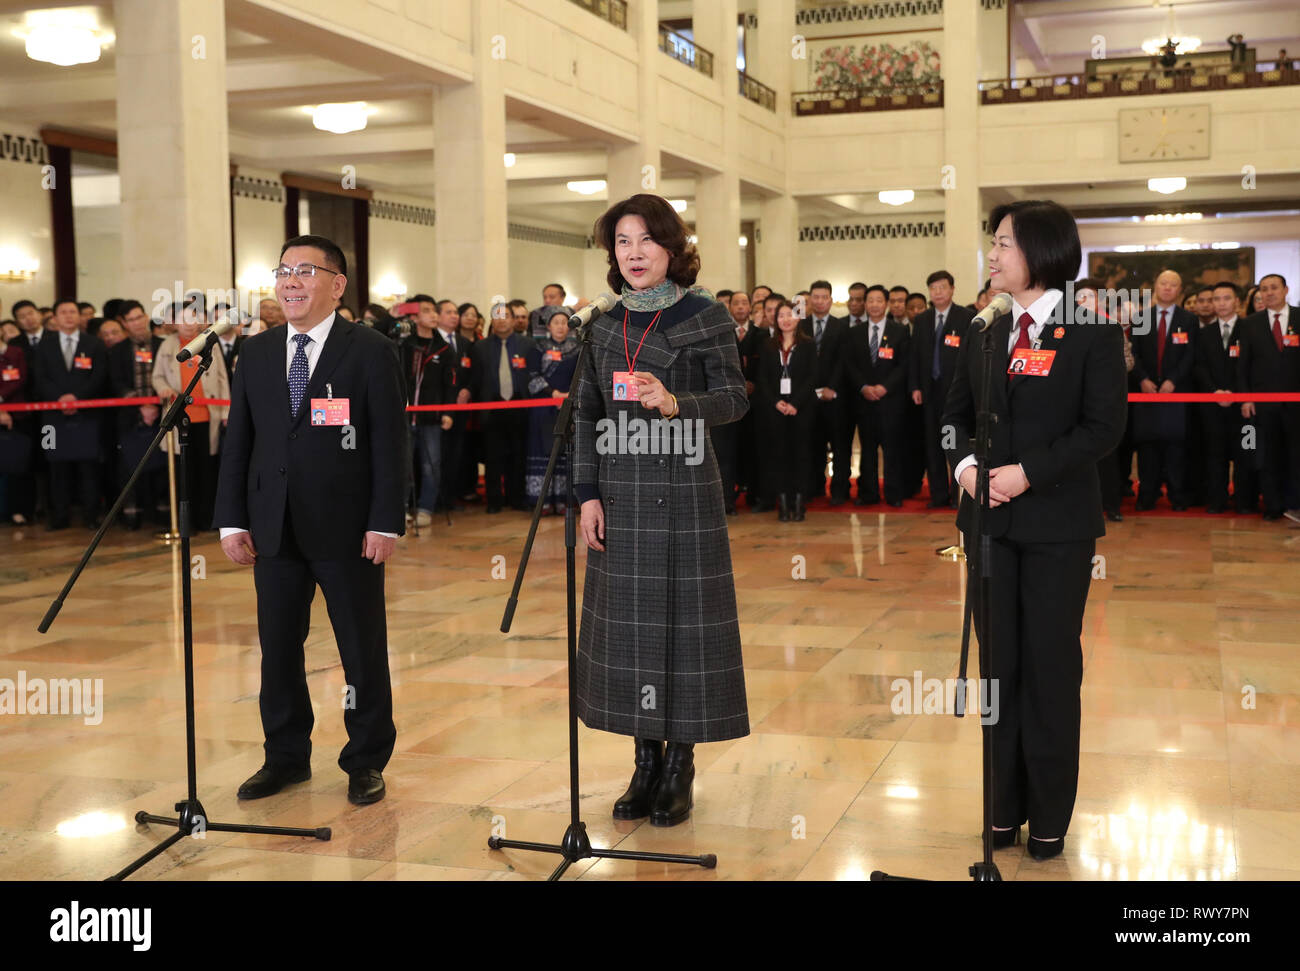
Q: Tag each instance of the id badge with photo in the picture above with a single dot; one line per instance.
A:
(625, 388)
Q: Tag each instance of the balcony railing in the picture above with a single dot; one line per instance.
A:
(685, 50)
(1062, 87)
(615, 11)
(894, 97)
(756, 91)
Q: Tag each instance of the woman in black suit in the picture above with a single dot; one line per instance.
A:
(1058, 412)
(783, 401)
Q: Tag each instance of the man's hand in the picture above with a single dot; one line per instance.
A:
(916, 397)
(238, 548)
(592, 524)
(6, 420)
(1222, 404)
(1006, 482)
(1248, 409)
(64, 398)
(446, 422)
(869, 392)
(377, 548)
(749, 387)
(826, 394)
(148, 414)
(1148, 386)
(462, 396)
(1166, 386)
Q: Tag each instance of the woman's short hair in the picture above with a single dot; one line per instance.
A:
(1048, 237)
(775, 338)
(665, 227)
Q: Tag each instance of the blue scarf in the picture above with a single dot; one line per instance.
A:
(659, 297)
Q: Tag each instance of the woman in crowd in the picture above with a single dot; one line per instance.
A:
(559, 358)
(659, 648)
(783, 403)
(471, 322)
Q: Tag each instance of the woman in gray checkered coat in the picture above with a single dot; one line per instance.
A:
(659, 646)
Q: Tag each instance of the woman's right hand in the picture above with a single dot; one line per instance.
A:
(592, 524)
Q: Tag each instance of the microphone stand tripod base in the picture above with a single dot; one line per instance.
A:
(951, 553)
(982, 872)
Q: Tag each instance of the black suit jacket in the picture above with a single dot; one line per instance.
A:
(460, 370)
(233, 354)
(956, 323)
(428, 366)
(767, 385)
(487, 361)
(121, 377)
(1216, 366)
(54, 379)
(1179, 358)
(1056, 426)
(891, 371)
(830, 355)
(750, 347)
(1262, 367)
(273, 465)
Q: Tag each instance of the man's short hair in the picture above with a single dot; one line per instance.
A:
(918, 296)
(20, 305)
(61, 301)
(1229, 285)
(899, 289)
(522, 304)
(423, 298)
(723, 295)
(878, 288)
(1205, 289)
(85, 305)
(124, 307)
(1278, 276)
(334, 257)
(820, 285)
(938, 275)
(857, 286)
(439, 304)
(557, 286)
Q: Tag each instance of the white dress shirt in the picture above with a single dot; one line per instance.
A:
(318, 335)
(1041, 310)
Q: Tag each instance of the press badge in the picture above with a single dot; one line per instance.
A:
(1031, 363)
(785, 386)
(330, 411)
(626, 389)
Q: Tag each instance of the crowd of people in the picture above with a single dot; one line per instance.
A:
(881, 370)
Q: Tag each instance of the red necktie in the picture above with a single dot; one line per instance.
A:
(1160, 345)
(1022, 340)
(1277, 331)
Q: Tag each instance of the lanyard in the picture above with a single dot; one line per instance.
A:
(631, 361)
(785, 358)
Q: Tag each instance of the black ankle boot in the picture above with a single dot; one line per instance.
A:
(635, 803)
(672, 801)
(797, 513)
(783, 504)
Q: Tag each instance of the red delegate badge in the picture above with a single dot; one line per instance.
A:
(952, 340)
(143, 356)
(1291, 340)
(625, 389)
(330, 411)
(1180, 336)
(886, 353)
(10, 374)
(81, 362)
(517, 362)
(1028, 362)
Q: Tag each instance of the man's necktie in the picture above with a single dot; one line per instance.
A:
(1277, 331)
(1160, 345)
(298, 374)
(1022, 339)
(1226, 331)
(70, 351)
(875, 342)
(817, 333)
(503, 374)
(938, 337)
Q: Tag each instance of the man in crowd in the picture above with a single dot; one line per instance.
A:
(459, 466)
(553, 295)
(519, 316)
(504, 362)
(1218, 352)
(876, 364)
(829, 335)
(937, 334)
(130, 369)
(1164, 354)
(427, 358)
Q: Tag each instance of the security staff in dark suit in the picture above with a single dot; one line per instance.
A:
(828, 334)
(71, 364)
(504, 361)
(875, 365)
(937, 336)
(130, 369)
(1218, 351)
(1056, 415)
(311, 492)
(1165, 353)
(1270, 361)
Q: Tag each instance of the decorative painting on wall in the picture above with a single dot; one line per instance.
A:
(873, 61)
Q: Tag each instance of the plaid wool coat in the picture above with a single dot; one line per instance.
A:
(659, 644)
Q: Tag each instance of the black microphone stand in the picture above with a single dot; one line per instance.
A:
(192, 818)
(979, 587)
(575, 845)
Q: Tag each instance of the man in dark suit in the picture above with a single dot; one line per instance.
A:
(937, 334)
(455, 440)
(1165, 354)
(828, 334)
(69, 365)
(229, 342)
(1270, 361)
(504, 361)
(1218, 351)
(876, 364)
(308, 503)
(130, 369)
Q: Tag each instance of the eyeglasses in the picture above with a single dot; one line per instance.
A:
(301, 270)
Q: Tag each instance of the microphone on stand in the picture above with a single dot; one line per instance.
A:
(999, 305)
(583, 318)
(206, 339)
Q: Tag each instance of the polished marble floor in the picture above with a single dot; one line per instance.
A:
(1191, 722)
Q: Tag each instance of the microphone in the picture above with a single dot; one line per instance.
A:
(1001, 304)
(206, 339)
(593, 310)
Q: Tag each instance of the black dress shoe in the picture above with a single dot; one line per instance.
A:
(269, 779)
(365, 786)
(896, 503)
(1045, 849)
(866, 501)
(1114, 515)
(1145, 506)
(493, 508)
(797, 513)
(783, 508)
(838, 501)
(1179, 506)
(649, 762)
(1214, 508)
(1002, 838)
(672, 800)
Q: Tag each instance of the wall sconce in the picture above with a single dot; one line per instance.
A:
(389, 288)
(257, 279)
(15, 268)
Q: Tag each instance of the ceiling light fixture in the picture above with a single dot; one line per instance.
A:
(588, 187)
(896, 197)
(510, 160)
(63, 37)
(341, 117)
(1167, 185)
(679, 205)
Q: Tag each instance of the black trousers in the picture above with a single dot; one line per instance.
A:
(786, 444)
(1038, 598)
(1223, 441)
(881, 429)
(1278, 455)
(831, 426)
(354, 595)
(747, 468)
(200, 476)
(504, 434)
(453, 451)
(726, 446)
(63, 476)
(942, 486)
(915, 460)
(1162, 462)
